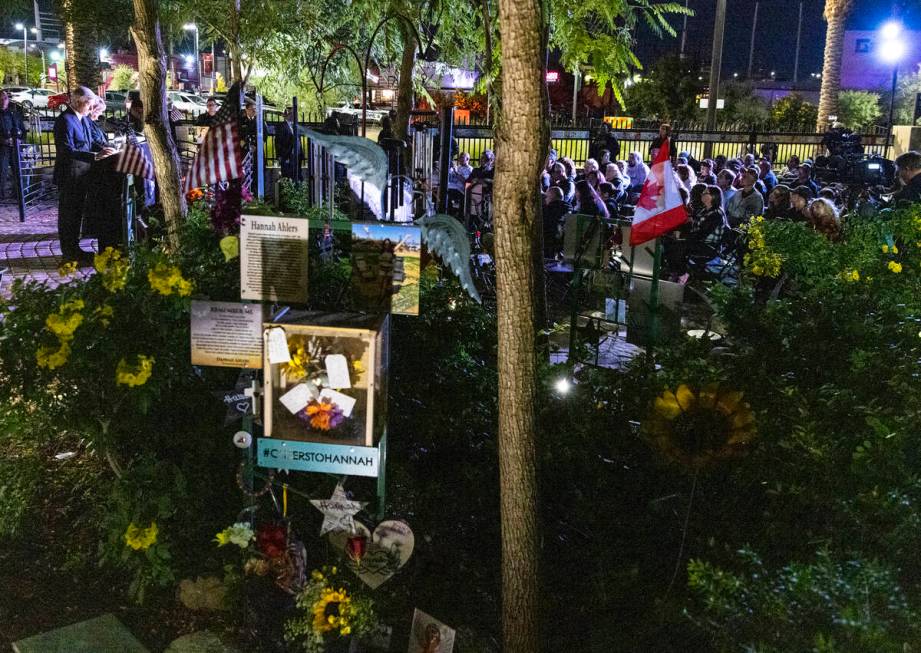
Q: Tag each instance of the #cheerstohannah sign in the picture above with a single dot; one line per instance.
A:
(317, 457)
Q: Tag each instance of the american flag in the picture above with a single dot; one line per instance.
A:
(132, 159)
(219, 157)
(175, 115)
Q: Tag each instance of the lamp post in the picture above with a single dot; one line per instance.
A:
(891, 49)
(25, 51)
(716, 62)
(194, 28)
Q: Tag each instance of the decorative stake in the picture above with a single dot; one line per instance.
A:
(253, 392)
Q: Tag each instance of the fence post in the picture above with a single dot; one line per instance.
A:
(297, 142)
(444, 156)
(20, 185)
(260, 151)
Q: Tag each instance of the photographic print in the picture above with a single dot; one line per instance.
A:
(386, 261)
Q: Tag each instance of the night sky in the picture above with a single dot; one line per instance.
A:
(776, 40)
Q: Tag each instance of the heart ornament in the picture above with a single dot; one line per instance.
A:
(389, 547)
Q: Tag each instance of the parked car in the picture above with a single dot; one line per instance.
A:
(115, 100)
(187, 102)
(373, 115)
(58, 101)
(12, 90)
(31, 98)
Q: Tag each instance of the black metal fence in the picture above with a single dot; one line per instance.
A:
(576, 143)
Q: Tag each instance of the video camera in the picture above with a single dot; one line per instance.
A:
(860, 170)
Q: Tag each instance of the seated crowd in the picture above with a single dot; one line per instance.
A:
(720, 195)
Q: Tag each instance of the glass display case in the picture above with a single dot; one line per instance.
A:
(326, 377)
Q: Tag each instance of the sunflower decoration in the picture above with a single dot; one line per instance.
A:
(698, 428)
(329, 610)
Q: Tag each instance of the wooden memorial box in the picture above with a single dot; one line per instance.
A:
(334, 388)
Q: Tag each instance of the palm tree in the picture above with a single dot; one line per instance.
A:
(836, 13)
(80, 41)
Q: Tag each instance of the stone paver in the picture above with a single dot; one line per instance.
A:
(41, 222)
(30, 250)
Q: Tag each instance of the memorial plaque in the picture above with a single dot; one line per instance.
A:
(273, 258)
(226, 334)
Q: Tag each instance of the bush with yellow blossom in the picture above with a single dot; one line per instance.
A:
(167, 279)
(135, 373)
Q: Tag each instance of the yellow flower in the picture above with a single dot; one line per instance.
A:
(885, 249)
(51, 358)
(64, 325)
(222, 538)
(134, 375)
(331, 611)
(894, 267)
(112, 268)
(851, 275)
(67, 269)
(165, 279)
(141, 539)
(698, 428)
(300, 359)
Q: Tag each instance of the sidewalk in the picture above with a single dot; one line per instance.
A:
(30, 250)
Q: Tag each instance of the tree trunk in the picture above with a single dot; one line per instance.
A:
(522, 139)
(152, 76)
(405, 97)
(233, 44)
(836, 12)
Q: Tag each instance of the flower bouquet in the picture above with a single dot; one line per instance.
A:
(330, 406)
(330, 613)
(268, 552)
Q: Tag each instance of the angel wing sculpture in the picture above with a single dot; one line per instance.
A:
(446, 237)
(363, 157)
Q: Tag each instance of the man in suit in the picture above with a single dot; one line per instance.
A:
(284, 147)
(12, 129)
(73, 143)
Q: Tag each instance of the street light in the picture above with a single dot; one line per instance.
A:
(891, 49)
(193, 27)
(25, 51)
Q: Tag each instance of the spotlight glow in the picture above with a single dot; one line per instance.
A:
(562, 386)
(891, 30)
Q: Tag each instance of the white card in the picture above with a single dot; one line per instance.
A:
(278, 346)
(345, 402)
(297, 398)
(337, 371)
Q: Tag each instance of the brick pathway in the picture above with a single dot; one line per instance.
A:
(30, 250)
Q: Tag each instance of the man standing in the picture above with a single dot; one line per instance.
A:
(908, 166)
(12, 130)
(284, 147)
(74, 145)
(205, 119)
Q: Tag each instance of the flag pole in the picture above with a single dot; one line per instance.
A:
(654, 300)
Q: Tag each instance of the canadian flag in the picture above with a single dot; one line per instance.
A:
(660, 208)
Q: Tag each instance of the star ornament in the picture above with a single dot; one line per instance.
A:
(338, 511)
